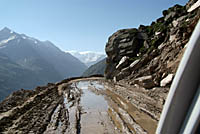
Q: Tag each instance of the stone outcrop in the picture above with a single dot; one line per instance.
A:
(152, 52)
(145, 81)
(122, 63)
(125, 42)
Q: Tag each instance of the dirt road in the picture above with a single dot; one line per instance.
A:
(80, 106)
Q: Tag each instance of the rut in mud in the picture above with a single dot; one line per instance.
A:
(83, 106)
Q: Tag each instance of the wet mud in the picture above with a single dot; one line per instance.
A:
(82, 106)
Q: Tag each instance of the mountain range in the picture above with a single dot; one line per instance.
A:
(27, 62)
(88, 57)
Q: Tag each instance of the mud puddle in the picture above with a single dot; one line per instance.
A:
(101, 110)
(78, 107)
(94, 117)
(91, 101)
(92, 107)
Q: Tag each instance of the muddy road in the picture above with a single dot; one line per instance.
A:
(80, 106)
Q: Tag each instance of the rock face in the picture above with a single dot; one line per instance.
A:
(149, 56)
(123, 43)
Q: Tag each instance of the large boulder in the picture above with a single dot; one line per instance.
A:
(122, 63)
(167, 80)
(145, 81)
(174, 12)
(135, 65)
(121, 45)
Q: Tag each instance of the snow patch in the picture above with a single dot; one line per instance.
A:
(87, 56)
(90, 52)
(7, 40)
(23, 37)
(30, 38)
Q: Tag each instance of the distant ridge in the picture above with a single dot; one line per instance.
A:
(88, 57)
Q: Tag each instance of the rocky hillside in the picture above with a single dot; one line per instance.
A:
(13, 77)
(149, 55)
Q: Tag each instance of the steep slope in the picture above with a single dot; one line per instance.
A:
(97, 68)
(66, 64)
(14, 76)
(88, 57)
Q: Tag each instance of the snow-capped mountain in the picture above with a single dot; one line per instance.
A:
(88, 57)
(26, 51)
(26, 62)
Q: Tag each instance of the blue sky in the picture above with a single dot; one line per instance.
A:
(82, 25)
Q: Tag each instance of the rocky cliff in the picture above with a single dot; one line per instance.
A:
(149, 55)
